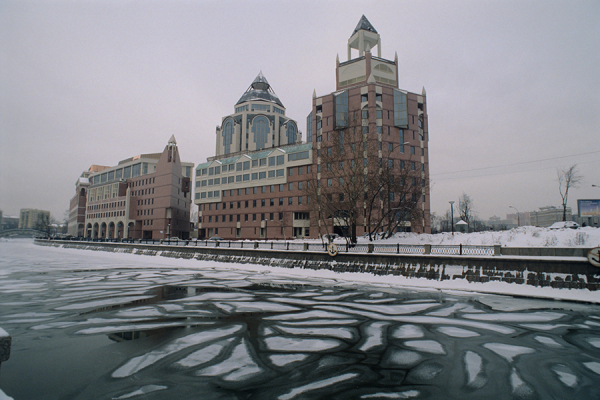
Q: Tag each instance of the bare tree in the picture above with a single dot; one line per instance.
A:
(465, 208)
(568, 177)
(362, 180)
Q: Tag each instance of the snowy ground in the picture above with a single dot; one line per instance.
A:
(524, 236)
(90, 325)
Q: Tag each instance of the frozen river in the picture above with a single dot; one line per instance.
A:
(93, 325)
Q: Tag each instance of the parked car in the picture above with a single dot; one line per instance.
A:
(564, 224)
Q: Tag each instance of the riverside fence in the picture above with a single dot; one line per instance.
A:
(552, 267)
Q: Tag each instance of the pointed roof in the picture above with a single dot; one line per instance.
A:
(172, 140)
(260, 90)
(364, 24)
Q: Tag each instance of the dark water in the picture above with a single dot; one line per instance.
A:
(88, 325)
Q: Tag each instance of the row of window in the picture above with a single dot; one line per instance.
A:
(246, 165)
(108, 214)
(145, 202)
(145, 212)
(131, 171)
(263, 216)
(114, 204)
(142, 192)
(255, 203)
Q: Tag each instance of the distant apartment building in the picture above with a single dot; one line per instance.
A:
(256, 185)
(145, 196)
(30, 218)
(548, 215)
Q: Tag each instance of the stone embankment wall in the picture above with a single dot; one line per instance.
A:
(552, 269)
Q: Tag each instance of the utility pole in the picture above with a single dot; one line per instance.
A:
(452, 215)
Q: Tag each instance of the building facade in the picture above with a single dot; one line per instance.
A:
(30, 218)
(264, 183)
(383, 134)
(145, 196)
(548, 215)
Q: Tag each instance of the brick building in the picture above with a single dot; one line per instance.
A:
(146, 196)
(264, 183)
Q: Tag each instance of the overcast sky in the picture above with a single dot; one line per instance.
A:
(513, 87)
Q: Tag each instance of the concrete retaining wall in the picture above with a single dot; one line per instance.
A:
(572, 272)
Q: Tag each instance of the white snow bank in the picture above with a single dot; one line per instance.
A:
(523, 236)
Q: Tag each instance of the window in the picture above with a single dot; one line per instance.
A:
(280, 160)
(330, 181)
(261, 130)
(290, 201)
(281, 201)
(272, 161)
(246, 165)
(364, 97)
(238, 166)
(290, 171)
(412, 150)
(291, 186)
(300, 200)
(271, 202)
(262, 203)
(390, 147)
(365, 114)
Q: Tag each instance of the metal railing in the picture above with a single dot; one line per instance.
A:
(378, 248)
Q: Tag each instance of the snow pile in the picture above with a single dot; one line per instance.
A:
(523, 236)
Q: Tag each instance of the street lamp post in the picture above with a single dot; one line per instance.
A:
(518, 216)
(452, 216)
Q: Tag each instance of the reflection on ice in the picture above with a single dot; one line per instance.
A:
(593, 366)
(540, 316)
(373, 336)
(339, 333)
(138, 363)
(594, 341)
(204, 355)
(239, 366)
(519, 387)
(395, 358)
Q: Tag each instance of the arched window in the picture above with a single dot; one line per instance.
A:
(260, 129)
(228, 135)
(291, 133)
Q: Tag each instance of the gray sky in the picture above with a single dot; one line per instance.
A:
(508, 83)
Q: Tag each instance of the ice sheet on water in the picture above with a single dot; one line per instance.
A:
(300, 345)
(147, 311)
(144, 390)
(300, 302)
(453, 331)
(339, 333)
(426, 372)
(138, 327)
(171, 307)
(239, 366)
(447, 311)
(138, 363)
(409, 394)
(519, 387)
(508, 351)
(547, 341)
(426, 346)
(544, 327)
(321, 322)
(407, 331)
(337, 297)
(594, 341)
(473, 366)
(296, 392)
(593, 366)
(259, 306)
(104, 303)
(281, 360)
(539, 316)
(374, 301)
(219, 296)
(396, 309)
(307, 315)
(424, 320)
(592, 323)
(4, 396)
(204, 355)
(372, 336)
(396, 358)
(565, 374)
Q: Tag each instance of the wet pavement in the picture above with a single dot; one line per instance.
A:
(92, 325)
